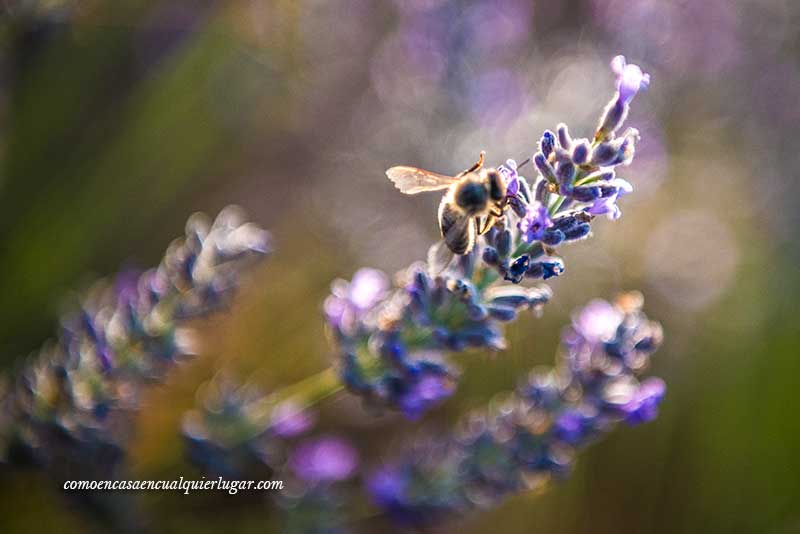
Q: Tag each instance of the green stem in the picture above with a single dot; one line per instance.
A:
(312, 390)
(556, 205)
(484, 278)
(586, 180)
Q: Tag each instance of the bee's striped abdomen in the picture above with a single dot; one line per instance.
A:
(458, 229)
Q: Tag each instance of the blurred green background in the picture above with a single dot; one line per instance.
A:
(119, 119)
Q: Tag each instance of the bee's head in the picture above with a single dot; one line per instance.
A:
(472, 194)
(497, 186)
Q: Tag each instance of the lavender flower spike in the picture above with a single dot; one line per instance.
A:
(67, 407)
(394, 348)
(534, 434)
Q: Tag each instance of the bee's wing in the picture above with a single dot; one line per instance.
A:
(411, 180)
(439, 257)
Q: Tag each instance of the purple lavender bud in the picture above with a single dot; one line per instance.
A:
(553, 237)
(545, 169)
(564, 139)
(570, 427)
(551, 269)
(479, 337)
(518, 269)
(428, 391)
(541, 191)
(490, 256)
(441, 334)
(393, 349)
(503, 267)
(503, 313)
(476, 312)
(608, 191)
(503, 243)
(603, 176)
(524, 189)
(456, 343)
(613, 116)
(578, 232)
(627, 147)
(350, 300)
(290, 420)
(630, 79)
(562, 156)
(604, 154)
(580, 152)
(545, 269)
(597, 321)
(644, 405)
(566, 176)
(367, 288)
(585, 193)
(326, 459)
(565, 222)
(513, 297)
(388, 488)
(518, 206)
(547, 143)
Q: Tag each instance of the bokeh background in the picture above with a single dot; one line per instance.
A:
(119, 119)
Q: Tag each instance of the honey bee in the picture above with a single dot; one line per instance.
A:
(474, 200)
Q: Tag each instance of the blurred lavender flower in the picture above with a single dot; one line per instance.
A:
(289, 419)
(325, 459)
(68, 408)
(240, 432)
(236, 430)
(534, 433)
(597, 321)
(350, 300)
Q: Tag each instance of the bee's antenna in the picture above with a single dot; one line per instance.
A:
(524, 163)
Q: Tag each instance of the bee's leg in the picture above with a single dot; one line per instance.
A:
(478, 164)
(487, 224)
(496, 213)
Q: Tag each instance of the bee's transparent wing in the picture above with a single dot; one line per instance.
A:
(439, 257)
(411, 180)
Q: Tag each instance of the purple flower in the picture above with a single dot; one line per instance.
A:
(367, 288)
(430, 389)
(597, 321)
(509, 174)
(535, 223)
(643, 407)
(607, 204)
(630, 79)
(571, 426)
(289, 419)
(388, 487)
(325, 459)
(349, 300)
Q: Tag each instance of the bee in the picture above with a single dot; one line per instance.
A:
(474, 200)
